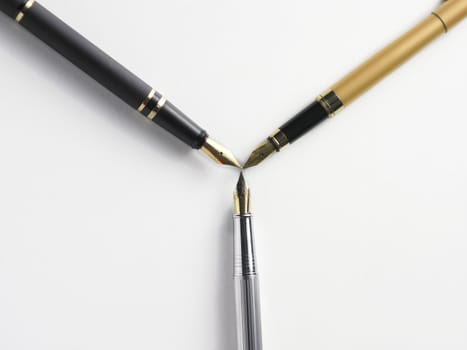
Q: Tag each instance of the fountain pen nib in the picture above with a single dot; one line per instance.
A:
(219, 153)
(242, 197)
(260, 154)
(242, 187)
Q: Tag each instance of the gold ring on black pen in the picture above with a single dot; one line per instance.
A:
(26, 7)
(146, 100)
(156, 109)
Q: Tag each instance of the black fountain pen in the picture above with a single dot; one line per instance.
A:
(349, 88)
(112, 75)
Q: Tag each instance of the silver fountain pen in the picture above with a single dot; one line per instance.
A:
(247, 298)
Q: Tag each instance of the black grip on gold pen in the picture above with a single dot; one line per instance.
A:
(357, 82)
(304, 121)
(104, 69)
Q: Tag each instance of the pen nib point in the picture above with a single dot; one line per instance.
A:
(242, 196)
(260, 154)
(219, 153)
(242, 187)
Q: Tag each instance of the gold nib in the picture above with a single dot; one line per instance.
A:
(219, 153)
(242, 197)
(260, 154)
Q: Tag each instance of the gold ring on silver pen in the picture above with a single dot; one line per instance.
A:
(158, 107)
(26, 7)
(146, 100)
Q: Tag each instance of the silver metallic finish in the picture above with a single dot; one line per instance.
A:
(248, 309)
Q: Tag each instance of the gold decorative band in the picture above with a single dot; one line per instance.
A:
(330, 102)
(160, 104)
(451, 13)
(442, 21)
(279, 140)
(242, 204)
(26, 7)
(146, 100)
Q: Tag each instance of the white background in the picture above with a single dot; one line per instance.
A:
(114, 235)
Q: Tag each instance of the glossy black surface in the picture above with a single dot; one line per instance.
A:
(174, 121)
(11, 7)
(304, 121)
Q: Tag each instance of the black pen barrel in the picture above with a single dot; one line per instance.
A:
(85, 55)
(11, 7)
(104, 69)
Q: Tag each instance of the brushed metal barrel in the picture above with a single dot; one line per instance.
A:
(247, 296)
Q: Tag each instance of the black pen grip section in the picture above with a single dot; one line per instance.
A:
(304, 121)
(12, 7)
(174, 121)
(85, 55)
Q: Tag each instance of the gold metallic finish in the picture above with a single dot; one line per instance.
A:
(241, 204)
(452, 12)
(345, 91)
(387, 60)
(242, 197)
(279, 140)
(236, 204)
(401, 50)
(146, 100)
(275, 143)
(26, 7)
(330, 102)
(219, 153)
(19, 17)
(160, 104)
(260, 154)
(446, 29)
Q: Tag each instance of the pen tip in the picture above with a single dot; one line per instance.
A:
(219, 153)
(260, 154)
(242, 196)
(242, 186)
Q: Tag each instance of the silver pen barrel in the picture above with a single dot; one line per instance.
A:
(247, 297)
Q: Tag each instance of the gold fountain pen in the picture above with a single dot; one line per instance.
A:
(341, 94)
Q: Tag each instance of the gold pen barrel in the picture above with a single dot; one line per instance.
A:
(398, 52)
(345, 91)
(452, 12)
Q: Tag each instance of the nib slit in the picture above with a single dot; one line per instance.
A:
(260, 154)
(219, 153)
(242, 196)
